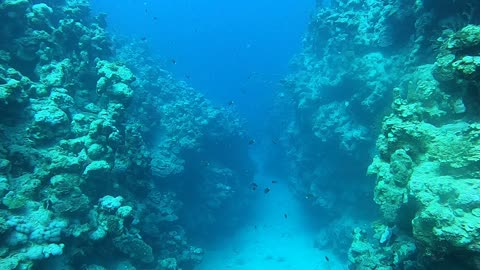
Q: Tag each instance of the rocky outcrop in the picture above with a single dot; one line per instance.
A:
(85, 136)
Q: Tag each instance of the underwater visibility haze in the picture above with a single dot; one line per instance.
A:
(229, 51)
(241, 135)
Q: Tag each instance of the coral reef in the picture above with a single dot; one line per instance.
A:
(342, 82)
(86, 135)
(359, 57)
(427, 166)
(352, 57)
(190, 138)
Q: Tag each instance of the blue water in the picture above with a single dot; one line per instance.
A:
(231, 51)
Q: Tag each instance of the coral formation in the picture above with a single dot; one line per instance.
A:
(340, 87)
(427, 167)
(86, 135)
(422, 57)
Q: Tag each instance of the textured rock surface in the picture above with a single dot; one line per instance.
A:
(427, 167)
(84, 139)
(358, 58)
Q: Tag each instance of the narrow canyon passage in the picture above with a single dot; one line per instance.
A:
(242, 135)
(244, 68)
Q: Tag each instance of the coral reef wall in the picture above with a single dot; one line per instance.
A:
(99, 147)
(341, 85)
(360, 57)
(197, 149)
(427, 166)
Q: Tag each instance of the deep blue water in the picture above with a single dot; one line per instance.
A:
(229, 50)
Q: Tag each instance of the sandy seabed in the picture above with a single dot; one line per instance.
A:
(272, 241)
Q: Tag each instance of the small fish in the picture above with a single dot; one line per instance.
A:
(155, 18)
(285, 215)
(255, 227)
(253, 186)
(309, 196)
(274, 181)
(251, 141)
(274, 141)
(47, 203)
(327, 259)
(174, 61)
(231, 102)
(143, 38)
(187, 76)
(266, 190)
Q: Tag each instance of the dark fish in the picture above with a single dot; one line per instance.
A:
(143, 38)
(309, 196)
(47, 203)
(174, 61)
(253, 186)
(231, 102)
(266, 190)
(146, 10)
(327, 259)
(252, 141)
(274, 181)
(255, 227)
(187, 76)
(285, 215)
(274, 141)
(155, 18)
